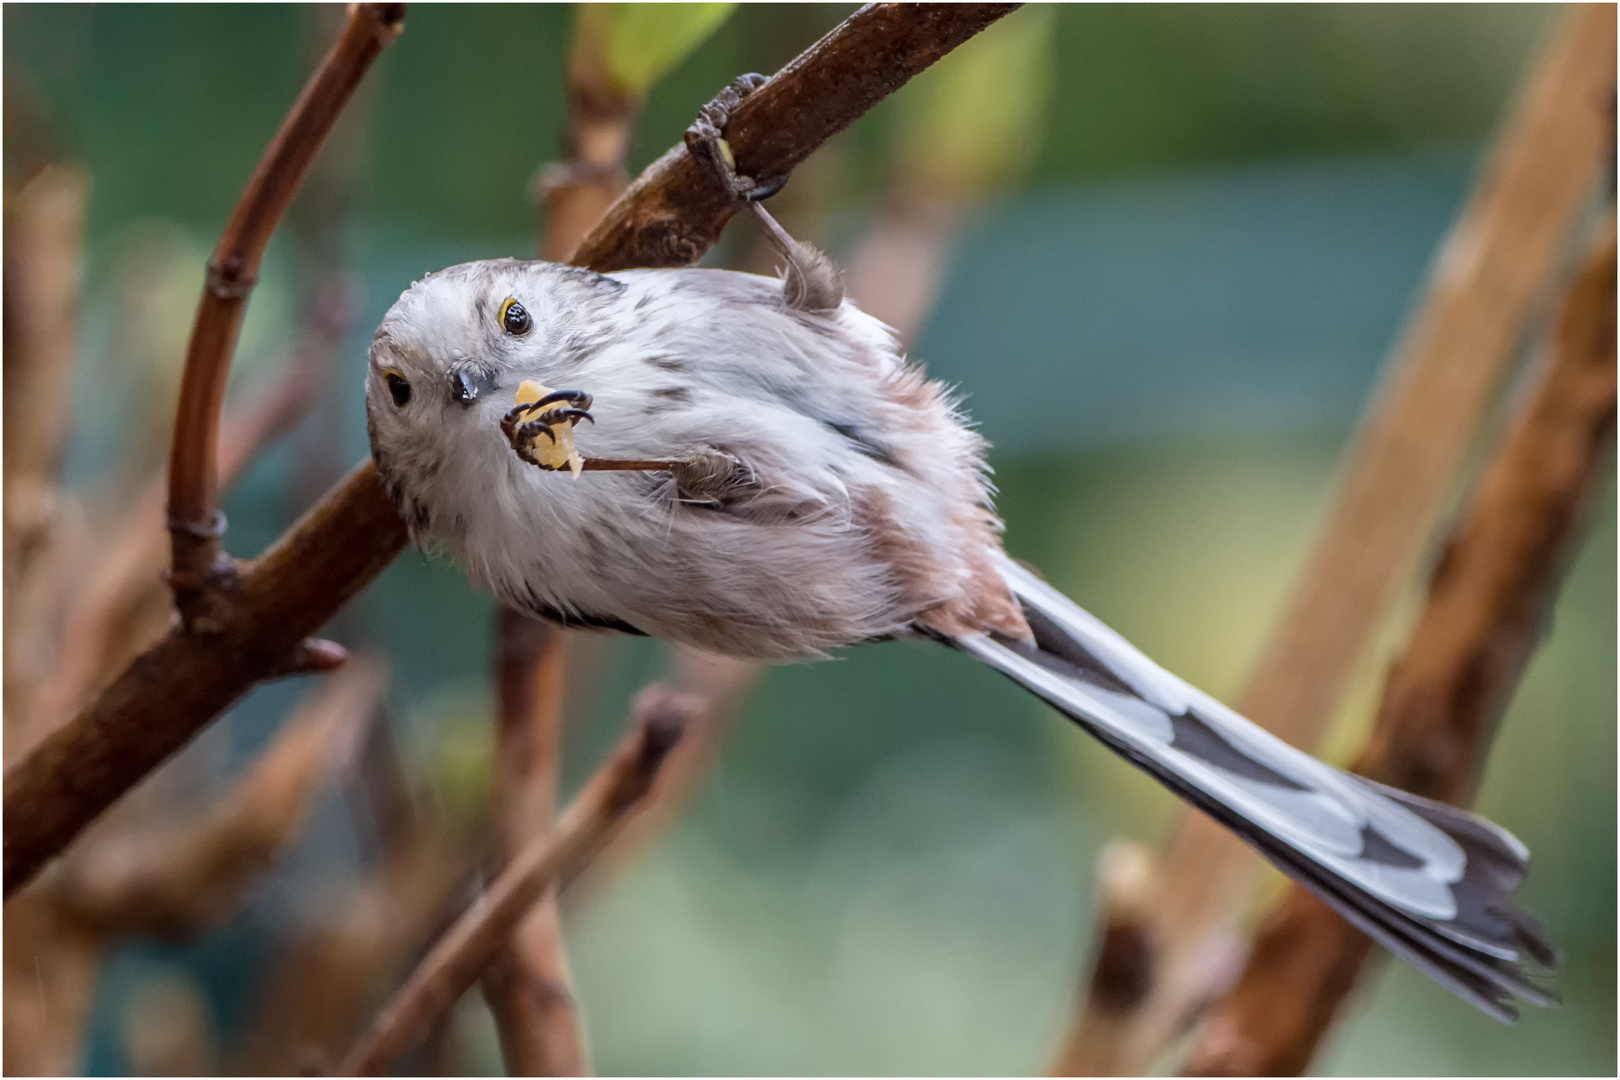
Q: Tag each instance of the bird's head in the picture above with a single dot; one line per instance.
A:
(450, 354)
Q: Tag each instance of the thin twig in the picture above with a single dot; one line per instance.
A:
(703, 690)
(526, 983)
(170, 691)
(185, 680)
(232, 272)
(461, 955)
(1486, 611)
(125, 570)
(1491, 269)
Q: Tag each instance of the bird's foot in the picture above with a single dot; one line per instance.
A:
(553, 415)
(706, 142)
(810, 282)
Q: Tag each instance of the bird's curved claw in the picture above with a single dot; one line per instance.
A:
(706, 142)
(521, 434)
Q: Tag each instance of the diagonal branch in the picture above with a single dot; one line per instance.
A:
(232, 273)
(1487, 608)
(168, 694)
(705, 689)
(174, 688)
(1491, 269)
(673, 213)
(171, 880)
(455, 963)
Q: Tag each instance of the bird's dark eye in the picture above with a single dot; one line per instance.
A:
(515, 318)
(399, 387)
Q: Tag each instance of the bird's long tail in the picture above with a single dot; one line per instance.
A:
(1429, 882)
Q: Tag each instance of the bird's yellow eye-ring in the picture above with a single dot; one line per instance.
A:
(399, 387)
(515, 318)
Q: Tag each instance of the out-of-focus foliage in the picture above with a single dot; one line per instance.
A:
(641, 42)
(971, 126)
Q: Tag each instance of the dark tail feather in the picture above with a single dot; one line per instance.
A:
(1430, 882)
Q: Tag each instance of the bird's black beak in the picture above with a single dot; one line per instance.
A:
(468, 381)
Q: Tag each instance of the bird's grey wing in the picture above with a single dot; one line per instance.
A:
(1428, 881)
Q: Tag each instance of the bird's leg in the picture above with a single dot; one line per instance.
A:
(523, 434)
(810, 281)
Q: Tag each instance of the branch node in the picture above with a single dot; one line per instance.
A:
(576, 173)
(310, 656)
(389, 20)
(229, 278)
(211, 530)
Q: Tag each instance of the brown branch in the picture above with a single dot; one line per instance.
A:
(232, 273)
(673, 213)
(169, 692)
(130, 878)
(123, 574)
(181, 683)
(316, 998)
(172, 881)
(703, 691)
(1127, 878)
(1412, 442)
(455, 963)
(44, 228)
(1487, 608)
(526, 983)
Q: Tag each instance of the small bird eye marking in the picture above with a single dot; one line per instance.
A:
(399, 387)
(515, 318)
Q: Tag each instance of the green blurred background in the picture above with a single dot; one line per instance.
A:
(1166, 315)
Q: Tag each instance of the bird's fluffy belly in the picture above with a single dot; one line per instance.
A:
(623, 549)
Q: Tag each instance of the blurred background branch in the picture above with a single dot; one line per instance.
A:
(1400, 473)
(545, 862)
(1489, 600)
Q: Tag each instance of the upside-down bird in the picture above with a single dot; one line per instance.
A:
(769, 477)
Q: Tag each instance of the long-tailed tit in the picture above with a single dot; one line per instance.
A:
(767, 476)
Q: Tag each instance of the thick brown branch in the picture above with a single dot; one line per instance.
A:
(185, 680)
(174, 688)
(133, 878)
(232, 272)
(175, 880)
(1486, 610)
(97, 634)
(1412, 442)
(461, 955)
(673, 213)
